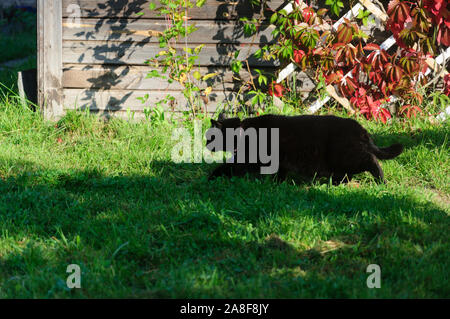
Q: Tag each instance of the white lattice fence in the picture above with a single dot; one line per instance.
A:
(380, 17)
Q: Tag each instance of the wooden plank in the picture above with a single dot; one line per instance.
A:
(440, 59)
(134, 53)
(112, 100)
(213, 9)
(148, 30)
(139, 115)
(27, 85)
(50, 58)
(20, 87)
(134, 78)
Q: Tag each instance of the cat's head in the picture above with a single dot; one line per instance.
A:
(218, 131)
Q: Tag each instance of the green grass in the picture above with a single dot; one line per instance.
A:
(21, 44)
(20, 39)
(108, 197)
(8, 77)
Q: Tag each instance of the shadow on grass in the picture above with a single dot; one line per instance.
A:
(174, 234)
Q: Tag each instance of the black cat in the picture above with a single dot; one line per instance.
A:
(308, 145)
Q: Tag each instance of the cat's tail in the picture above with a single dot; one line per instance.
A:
(386, 152)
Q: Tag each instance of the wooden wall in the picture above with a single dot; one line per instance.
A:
(100, 63)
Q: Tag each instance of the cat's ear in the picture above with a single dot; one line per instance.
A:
(215, 123)
(222, 117)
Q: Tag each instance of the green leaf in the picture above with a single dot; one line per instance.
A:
(273, 18)
(199, 48)
(335, 5)
(262, 80)
(197, 75)
(200, 3)
(209, 75)
(249, 29)
(236, 66)
(153, 74)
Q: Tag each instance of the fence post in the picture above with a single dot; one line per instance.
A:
(50, 58)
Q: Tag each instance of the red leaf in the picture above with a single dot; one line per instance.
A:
(334, 77)
(384, 56)
(307, 13)
(393, 72)
(298, 56)
(339, 55)
(372, 47)
(447, 84)
(409, 110)
(383, 115)
(345, 33)
(437, 9)
(384, 89)
(350, 85)
(444, 35)
(350, 55)
(276, 89)
(398, 11)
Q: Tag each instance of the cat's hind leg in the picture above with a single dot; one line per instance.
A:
(281, 175)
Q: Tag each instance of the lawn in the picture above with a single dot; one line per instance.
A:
(107, 196)
(17, 35)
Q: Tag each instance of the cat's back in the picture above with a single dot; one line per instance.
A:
(303, 123)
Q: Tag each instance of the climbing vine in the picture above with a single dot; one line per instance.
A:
(368, 75)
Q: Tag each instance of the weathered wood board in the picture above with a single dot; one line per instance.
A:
(115, 100)
(134, 77)
(211, 10)
(49, 74)
(135, 53)
(145, 30)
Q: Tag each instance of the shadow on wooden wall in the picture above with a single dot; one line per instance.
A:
(104, 55)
